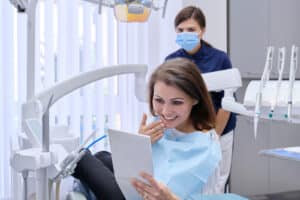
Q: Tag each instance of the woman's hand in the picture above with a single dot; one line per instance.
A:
(155, 129)
(152, 190)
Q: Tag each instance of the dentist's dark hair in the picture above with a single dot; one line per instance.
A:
(185, 75)
(192, 12)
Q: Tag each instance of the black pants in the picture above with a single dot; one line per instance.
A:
(96, 171)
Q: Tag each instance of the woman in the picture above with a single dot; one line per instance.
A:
(185, 147)
(190, 26)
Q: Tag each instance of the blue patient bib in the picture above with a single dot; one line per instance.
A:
(184, 162)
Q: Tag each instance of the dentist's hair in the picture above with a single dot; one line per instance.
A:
(185, 75)
(191, 12)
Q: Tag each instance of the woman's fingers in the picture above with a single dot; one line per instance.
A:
(150, 180)
(151, 189)
(144, 120)
(157, 136)
(141, 187)
(145, 190)
(143, 123)
(138, 189)
(156, 124)
(151, 128)
(154, 130)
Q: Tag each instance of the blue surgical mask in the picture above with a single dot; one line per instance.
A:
(188, 40)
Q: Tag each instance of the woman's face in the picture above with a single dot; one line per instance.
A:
(173, 106)
(190, 25)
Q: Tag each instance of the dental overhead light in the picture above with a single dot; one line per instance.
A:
(132, 10)
(19, 4)
(124, 10)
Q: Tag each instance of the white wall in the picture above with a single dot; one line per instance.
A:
(162, 34)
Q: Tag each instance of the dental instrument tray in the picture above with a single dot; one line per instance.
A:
(288, 153)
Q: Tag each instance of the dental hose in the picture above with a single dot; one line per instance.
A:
(76, 160)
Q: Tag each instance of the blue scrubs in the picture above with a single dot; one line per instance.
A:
(209, 59)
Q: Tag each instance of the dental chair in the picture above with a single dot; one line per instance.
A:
(85, 194)
(80, 192)
(75, 196)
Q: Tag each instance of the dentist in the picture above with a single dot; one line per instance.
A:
(190, 26)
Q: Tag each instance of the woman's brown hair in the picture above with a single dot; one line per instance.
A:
(185, 75)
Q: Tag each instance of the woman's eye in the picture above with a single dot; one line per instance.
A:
(191, 30)
(158, 100)
(177, 102)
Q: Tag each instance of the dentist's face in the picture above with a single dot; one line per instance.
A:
(173, 106)
(190, 25)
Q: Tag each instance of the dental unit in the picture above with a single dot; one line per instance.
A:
(270, 99)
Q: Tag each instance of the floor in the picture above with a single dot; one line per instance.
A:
(293, 195)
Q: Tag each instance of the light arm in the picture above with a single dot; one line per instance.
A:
(21, 5)
(218, 81)
(164, 8)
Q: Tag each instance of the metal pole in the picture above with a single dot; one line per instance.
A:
(31, 12)
(42, 178)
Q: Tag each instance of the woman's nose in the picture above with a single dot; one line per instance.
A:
(167, 109)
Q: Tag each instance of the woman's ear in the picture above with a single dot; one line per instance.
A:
(195, 102)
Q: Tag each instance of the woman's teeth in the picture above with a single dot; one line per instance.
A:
(170, 118)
